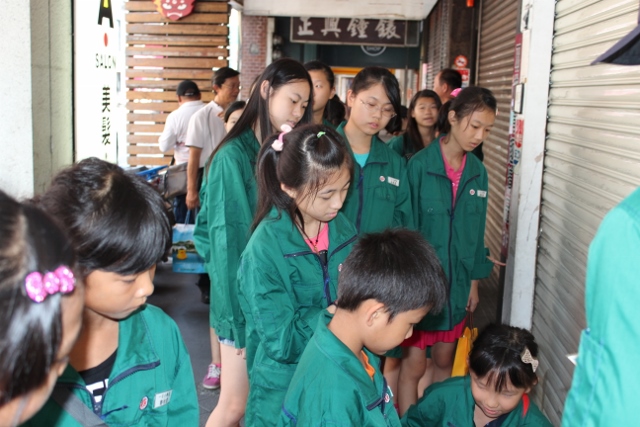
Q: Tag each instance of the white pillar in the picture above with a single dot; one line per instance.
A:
(524, 216)
(36, 114)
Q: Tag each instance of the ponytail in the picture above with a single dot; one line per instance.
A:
(442, 125)
(303, 160)
(270, 192)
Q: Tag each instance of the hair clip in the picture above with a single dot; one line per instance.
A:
(455, 92)
(321, 133)
(279, 143)
(39, 286)
(526, 357)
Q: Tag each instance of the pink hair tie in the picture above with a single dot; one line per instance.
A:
(455, 92)
(39, 286)
(279, 143)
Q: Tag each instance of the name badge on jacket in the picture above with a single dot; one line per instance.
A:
(162, 399)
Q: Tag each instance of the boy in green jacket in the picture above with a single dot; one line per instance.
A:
(129, 366)
(387, 284)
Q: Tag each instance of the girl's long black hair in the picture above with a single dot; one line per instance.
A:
(413, 133)
(277, 74)
(468, 101)
(30, 332)
(311, 154)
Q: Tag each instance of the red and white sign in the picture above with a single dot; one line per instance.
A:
(461, 61)
(464, 72)
(174, 9)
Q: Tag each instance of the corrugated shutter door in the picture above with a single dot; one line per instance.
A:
(592, 161)
(499, 22)
(438, 48)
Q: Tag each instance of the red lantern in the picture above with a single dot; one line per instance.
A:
(174, 9)
(470, 3)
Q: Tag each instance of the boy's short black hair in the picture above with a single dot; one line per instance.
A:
(115, 220)
(397, 268)
(451, 77)
(222, 74)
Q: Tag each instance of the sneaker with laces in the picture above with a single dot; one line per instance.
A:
(211, 381)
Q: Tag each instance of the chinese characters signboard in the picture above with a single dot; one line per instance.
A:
(356, 31)
(96, 75)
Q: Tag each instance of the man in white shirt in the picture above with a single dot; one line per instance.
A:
(174, 135)
(206, 129)
(445, 82)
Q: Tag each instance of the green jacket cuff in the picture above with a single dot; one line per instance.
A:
(482, 266)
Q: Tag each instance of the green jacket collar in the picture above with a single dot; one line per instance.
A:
(135, 351)
(377, 153)
(462, 417)
(328, 123)
(250, 142)
(341, 232)
(436, 163)
(332, 348)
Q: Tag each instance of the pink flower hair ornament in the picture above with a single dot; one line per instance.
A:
(39, 286)
(279, 143)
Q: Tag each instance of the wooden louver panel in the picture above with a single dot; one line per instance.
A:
(160, 54)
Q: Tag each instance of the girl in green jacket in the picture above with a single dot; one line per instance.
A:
(502, 371)
(379, 197)
(129, 365)
(229, 197)
(39, 324)
(421, 127)
(449, 191)
(288, 273)
(324, 89)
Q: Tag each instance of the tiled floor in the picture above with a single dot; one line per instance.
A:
(179, 297)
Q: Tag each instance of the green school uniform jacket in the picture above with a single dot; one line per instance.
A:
(455, 232)
(605, 380)
(379, 196)
(332, 388)
(151, 383)
(450, 404)
(228, 199)
(284, 289)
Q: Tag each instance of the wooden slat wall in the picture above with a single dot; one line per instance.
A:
(160, 54)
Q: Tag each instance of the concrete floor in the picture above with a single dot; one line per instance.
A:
(179, 297)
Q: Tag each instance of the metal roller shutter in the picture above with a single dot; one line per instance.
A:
(592, 161)
(438, 48)
(498, 26)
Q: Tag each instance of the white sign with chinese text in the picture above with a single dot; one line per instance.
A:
(355, 31)
(98, 66)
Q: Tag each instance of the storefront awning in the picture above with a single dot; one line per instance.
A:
(370, 9)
